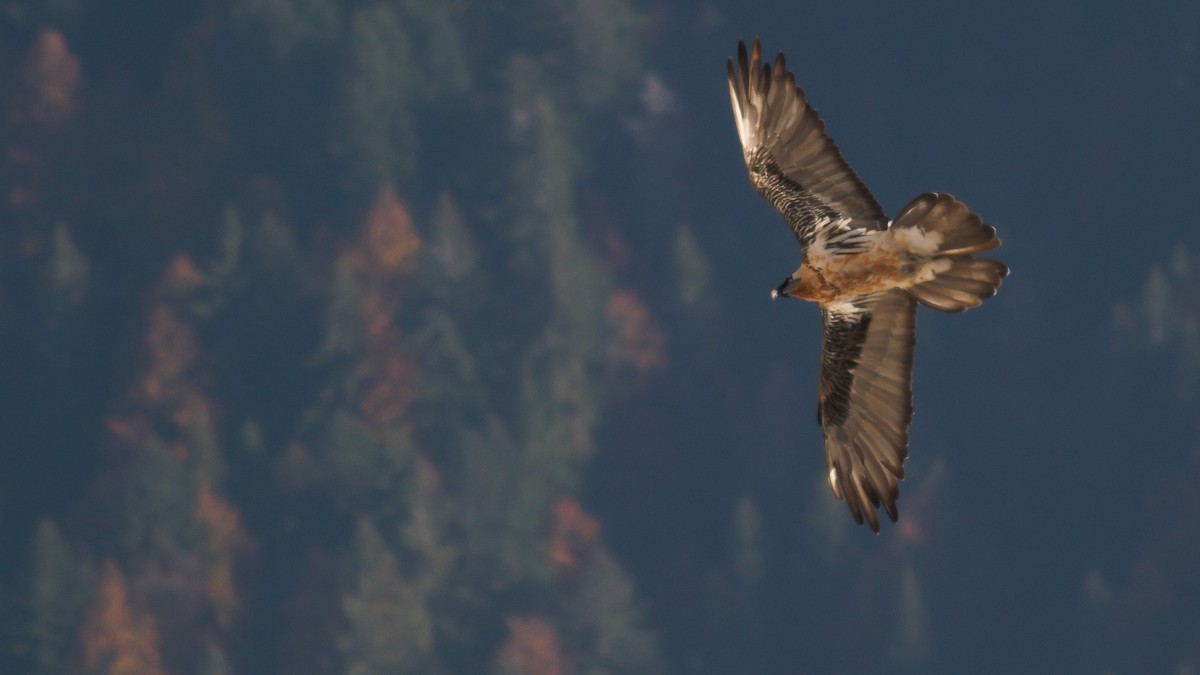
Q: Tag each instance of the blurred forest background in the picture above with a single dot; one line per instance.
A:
(433, 336)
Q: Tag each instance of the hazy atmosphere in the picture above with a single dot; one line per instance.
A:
(435, 337)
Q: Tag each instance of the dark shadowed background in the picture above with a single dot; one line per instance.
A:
(433, 336)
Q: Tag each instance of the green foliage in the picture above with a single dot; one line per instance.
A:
(693, 277)
(605, 42)
(298, 446)
(440, 45)
(158, 499)
(361, 471)
(429, 558)
(388, 628)
(56, 596)
(1167, 315)
(607, 621)
(749, 558)
(559, 383)
(912, 643)
(500, 511)
(291, 25)
(343, 336)
(214, 662)
(453, 249)
(65, 279)
(36, 13)
(376, 134)
(244, 429)
(447, 378)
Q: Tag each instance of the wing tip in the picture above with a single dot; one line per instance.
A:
(863, 500)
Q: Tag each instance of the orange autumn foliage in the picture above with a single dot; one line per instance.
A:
(165, 390)
(574, 535)
(185, 583)
(51, 74)
(172, 350)
(388, 241)
(390, 238)
(640, 342)
(387, 392)
(227, 537)
(117, 638)
(182, 275)
(383, 374)
(912, 532)
(532, 647)
(129, 429)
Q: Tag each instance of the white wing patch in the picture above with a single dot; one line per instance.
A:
(747, 120)
(922, 248)
(915, 240)
(848, 309)
(834, 237)
(928, 271)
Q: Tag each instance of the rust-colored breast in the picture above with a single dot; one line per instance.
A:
(827, 279)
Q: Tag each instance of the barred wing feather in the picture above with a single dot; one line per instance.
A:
(865, 400)
(792, 162)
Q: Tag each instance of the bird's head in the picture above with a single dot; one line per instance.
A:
(804, 284)
(783, 288)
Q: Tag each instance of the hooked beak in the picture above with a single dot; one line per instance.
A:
(782, 289)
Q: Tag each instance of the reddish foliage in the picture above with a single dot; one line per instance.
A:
(129, 429)
(42, 101)
(387, 392)
(117, 638)
(227, 538)
(430, 474)
(172, 347)
(640, 341)
(920, 507)
(383, 374)
(51, 74)
(186, 584)
(390, 238)
(574, 536)
(532, 647)
(182, 275)
(22, 197)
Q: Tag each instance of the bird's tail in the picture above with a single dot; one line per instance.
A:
(950, 234)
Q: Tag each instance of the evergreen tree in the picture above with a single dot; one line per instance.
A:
(388, 627)
(376, 133)
(57, 594)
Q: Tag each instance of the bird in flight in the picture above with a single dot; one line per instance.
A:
(867, 273)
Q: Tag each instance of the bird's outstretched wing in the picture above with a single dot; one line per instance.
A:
(793, 163)
(865, 399)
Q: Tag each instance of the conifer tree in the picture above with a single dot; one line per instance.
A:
(388, 627)
(56, 596)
